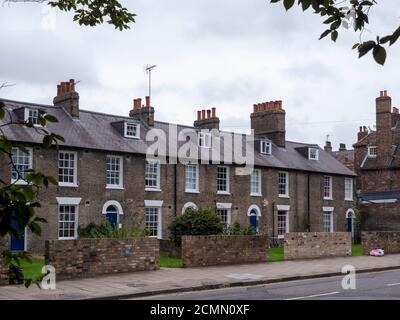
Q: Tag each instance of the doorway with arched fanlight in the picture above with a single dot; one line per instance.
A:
(112, 211)
(254, 214)
(350, 216)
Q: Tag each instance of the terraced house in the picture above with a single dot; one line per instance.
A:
(104, 174)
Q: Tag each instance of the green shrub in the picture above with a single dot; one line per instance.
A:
(238, 230)
(195, 222)
(106, 230)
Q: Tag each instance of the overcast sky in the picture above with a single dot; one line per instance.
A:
(224, 54)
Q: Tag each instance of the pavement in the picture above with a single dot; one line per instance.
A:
(384, 285)
(175, 280)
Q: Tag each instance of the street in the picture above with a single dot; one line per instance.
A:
(374, 285)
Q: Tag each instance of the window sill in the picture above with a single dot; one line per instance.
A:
(152, 190)
(19, 182)
(328, 199)
(67, 238)
(68, 185)
(131, 137)
(283, 196)
(223, 193)
(348, 199)
(256, 195)
(192, 191)
(115, 188)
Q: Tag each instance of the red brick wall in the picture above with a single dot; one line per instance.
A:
(201, 251)
(311, 245)
(91, 257)
(389, 241)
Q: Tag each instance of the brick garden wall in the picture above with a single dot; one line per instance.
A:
(307, 245)
(200, 251)
(3, 269)
(91, 257)
(389, 241)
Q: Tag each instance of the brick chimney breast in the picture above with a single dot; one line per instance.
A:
(269, 121)
(67, 98)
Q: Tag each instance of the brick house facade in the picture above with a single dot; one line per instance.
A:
(377, 164)
(103, 174)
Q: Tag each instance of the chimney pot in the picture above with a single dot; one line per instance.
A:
(203, 114)
(385, 93)
(58, 90)
(198, 115)
(72, 84)
(208, 114)
(147, 101)
(139, 103)
(214, 112)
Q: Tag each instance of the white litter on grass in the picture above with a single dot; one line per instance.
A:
(244, 276)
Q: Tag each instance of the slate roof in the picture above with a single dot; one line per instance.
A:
(93, 130)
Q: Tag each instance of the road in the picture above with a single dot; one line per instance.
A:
(375, 286)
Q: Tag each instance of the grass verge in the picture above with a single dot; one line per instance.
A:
(168, 262)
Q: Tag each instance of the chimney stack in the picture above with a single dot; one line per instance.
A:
(362, 133)
(342, 147)
(384, 123)
(144, 113)
(268, 119)
(67, 98)
(207, 119)
(328, 146)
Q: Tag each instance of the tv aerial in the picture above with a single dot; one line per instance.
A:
(148, 69)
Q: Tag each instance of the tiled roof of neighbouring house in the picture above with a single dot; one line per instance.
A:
(93, 130)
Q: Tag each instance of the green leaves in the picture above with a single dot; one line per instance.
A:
(95, 12)
(354, 13)
(379, 54)
(288, 4)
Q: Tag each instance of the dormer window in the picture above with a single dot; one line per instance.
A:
(204, 139)
(131, 130)
(265, 147)
(372, 152)
(313, 154)
(32, 115)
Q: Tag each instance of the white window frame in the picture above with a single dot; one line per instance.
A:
(75, 182)
(121, 173)
(67, 201)
(157, 187)
(265, 147)
(228, 208)
(196, 190)
(259, 193)
(285, 208)
(27, 116)
(126, 124)
(286, 194)
(371, 154)
(30, 165)
(204, 139)
(325, 211)
(348, 193)
(330, 197)
(155, 204)
(227, 181)
(313, 156)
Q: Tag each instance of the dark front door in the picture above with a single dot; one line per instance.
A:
(17, 244)
(349, 224)
(112, 216)
(253, 220)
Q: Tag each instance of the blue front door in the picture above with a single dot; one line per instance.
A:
(253, 221)
(349, 224)
(17, 244)
(112, 218)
